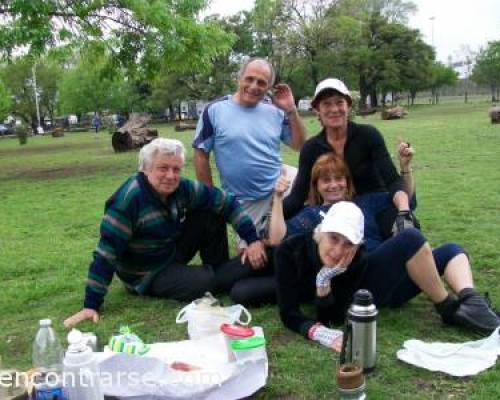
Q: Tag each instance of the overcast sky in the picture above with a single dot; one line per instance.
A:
(456, 22)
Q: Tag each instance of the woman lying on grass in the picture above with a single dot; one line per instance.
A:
(331, 264)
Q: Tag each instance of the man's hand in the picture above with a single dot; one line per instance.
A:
(256, 255)
(80, 316)
(405, 154)
(283, 98)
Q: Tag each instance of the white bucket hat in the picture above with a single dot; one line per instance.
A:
(345, 218)
(331, 84)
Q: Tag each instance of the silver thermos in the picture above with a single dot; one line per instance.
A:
(360, 335)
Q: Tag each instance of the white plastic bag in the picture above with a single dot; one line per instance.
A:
(151, 377)
(205, 316)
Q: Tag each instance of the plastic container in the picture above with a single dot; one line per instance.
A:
(253, 348)
(47, 358)
(204, 316)
(81, 374)
(234, 333)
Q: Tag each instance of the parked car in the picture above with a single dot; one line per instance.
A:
(6, 130)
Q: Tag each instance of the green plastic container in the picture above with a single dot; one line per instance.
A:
(253, 348)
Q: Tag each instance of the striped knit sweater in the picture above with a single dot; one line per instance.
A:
(139, 232)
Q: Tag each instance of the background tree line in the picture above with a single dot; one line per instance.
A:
(132, 55)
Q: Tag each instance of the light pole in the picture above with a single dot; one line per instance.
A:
(39, 128)
(432, 30)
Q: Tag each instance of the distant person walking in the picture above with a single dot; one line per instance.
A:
(96, 122)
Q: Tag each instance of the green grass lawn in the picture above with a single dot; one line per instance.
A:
(52, 193)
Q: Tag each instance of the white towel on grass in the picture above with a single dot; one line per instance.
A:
(457, 359)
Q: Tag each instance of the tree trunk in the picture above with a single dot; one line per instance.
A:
(373, 98)
(363, 92)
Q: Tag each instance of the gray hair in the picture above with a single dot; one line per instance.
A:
(317, 234)
(170, 147)
(260, 61)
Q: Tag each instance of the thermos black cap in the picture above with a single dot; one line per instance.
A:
(363, 298)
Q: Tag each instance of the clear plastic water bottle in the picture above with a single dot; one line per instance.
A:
(47, 361)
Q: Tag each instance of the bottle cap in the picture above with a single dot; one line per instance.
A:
(363, 298)
(76, 342)
(45, 322)
(237, 331)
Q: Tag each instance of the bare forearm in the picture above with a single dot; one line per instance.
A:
(298, 130)
(408, 182)
(277, 226)
(401, 201)
(201, 162)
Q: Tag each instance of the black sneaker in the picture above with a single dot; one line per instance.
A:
(488, 300)
(474, 312)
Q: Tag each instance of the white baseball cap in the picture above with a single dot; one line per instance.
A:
(331, 84)
(345, 218)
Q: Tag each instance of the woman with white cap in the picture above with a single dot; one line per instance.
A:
(362, 147)
(331, 265)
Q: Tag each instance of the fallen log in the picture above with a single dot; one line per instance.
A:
(133, 134)
(495, 115)
(394, 113)
(185, 126)
(58, 132)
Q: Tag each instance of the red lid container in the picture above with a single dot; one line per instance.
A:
(237, 331)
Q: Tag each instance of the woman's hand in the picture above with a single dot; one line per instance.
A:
(282, 185)
(405, 154)
(347, 257)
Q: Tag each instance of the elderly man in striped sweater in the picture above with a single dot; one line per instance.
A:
(153, 226)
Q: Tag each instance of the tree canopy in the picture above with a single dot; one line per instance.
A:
(487, 68)
(124, 55)
(5, 102)
(141, 33)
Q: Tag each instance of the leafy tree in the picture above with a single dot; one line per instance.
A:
(487, 69)
(441, 75)
(169, 88)
(89, 86)
(147, 33)
(390, 58)
(18, 78)
(5, 101)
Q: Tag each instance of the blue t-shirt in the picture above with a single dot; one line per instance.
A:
(246, 143)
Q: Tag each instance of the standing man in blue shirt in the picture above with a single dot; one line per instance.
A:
(245, 132)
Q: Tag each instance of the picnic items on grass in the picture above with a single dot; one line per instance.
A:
(457, 359)
(188, 369)
(205, 316)
(127, 342)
